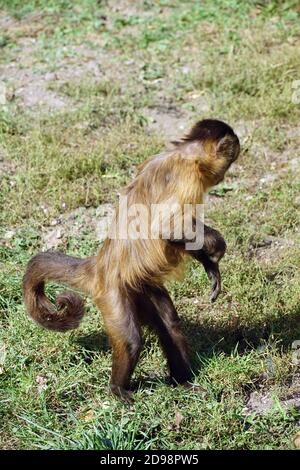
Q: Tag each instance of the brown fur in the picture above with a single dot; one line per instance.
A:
(52, 266)
(126, 279)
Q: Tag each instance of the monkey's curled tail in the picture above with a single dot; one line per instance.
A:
(55, 266)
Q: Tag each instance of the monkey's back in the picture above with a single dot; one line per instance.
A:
(170, 179)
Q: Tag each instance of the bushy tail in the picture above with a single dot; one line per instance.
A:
(55, 266)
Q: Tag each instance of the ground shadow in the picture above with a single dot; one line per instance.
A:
(206, 340)
(90, 344)
(241, 337)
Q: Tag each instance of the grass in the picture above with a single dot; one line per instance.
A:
(238, 58)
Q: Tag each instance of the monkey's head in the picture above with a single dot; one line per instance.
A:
(216, 146)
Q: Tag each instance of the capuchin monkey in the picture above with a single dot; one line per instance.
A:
(126, 279)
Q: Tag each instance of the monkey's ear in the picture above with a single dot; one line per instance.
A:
(228, 147)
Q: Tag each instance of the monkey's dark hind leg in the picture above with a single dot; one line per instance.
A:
(160, 313)
(124, 331)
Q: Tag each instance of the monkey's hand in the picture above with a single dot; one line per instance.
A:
(213, 272)
(210, 259)
(211, 266)
(209, 256)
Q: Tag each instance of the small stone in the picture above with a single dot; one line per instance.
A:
(55, 222)
(41, 383)
(268, 178)
(186, 70)
(105, 405)
(53, 239)
(9, 234)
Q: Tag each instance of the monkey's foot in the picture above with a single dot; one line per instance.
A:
(124, 395)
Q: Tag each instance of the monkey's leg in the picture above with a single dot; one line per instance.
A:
(123, 328)
(213, 249)
(159, 312)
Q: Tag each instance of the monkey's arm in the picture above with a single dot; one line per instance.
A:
(213, 249)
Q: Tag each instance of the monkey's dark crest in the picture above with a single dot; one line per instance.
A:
(209, 129)
(126, 279)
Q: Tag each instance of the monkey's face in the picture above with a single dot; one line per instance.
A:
(227, 151)
(214, 146)
(218, 158)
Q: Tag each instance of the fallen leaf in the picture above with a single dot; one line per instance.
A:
(178, 420)
(88, 416)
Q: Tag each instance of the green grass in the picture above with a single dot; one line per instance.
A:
(241, 58)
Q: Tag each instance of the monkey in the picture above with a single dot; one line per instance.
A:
(126, 280)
